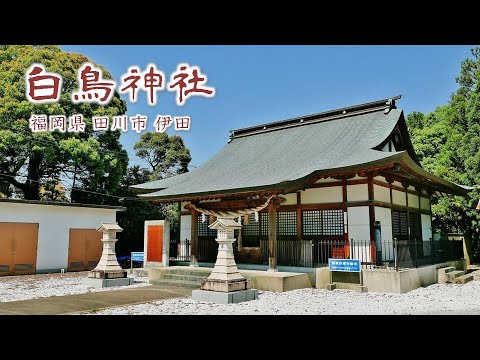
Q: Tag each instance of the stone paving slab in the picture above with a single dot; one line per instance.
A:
(71, 304)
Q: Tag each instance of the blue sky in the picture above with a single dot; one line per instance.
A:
(259, 84)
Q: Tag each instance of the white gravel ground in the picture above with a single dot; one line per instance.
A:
(434, 299)
(25, 287)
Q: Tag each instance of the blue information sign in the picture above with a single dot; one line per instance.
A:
(347, 265)
(138, 256)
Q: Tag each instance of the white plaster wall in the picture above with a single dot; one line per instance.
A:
(358, 223)
(380, 178)
(185, 227)
(291, 199)
(359, 229)
(381, 193)
(425, 203)
(398, 198)
(410, 187)
(413, 201)
(397, 183)
(322, 195)
(54, 227)
(356, 177)
(357, 192)
(384, 215)
(426, 227)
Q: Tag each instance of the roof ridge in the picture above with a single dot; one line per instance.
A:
(383, 104)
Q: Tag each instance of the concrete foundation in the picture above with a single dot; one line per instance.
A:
(102, 283)
(138, 272)
(346, 286)
(233, 297)
(391, 281)
(278, 281)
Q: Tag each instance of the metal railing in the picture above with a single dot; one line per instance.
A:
(396, 253)
(310, 253)
(180, 250)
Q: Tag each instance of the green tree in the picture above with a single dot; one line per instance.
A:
(166, 154)
(53, 190)
(448, 144)
(92, 160)
(137, 211)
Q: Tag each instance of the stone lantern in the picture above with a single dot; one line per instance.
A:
(108, 271)
(225, 284)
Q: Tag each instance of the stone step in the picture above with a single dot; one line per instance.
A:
(442, 273)
(166, 283)
(463, 279)
(181, 277)
(193, 272)
(454, 274)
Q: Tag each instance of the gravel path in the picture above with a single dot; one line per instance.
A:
(25, 287)
(434, 299)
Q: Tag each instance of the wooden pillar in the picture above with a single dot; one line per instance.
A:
(299, 216)
(345, 209)
(240, 240)
(371, 208)
(272, 237)
(405, 186)
(194, 239)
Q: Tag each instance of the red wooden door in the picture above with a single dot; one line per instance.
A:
(155, 243)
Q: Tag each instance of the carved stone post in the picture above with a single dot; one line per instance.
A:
(108, 271)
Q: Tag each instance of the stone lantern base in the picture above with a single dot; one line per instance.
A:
(108, 278)
(108, 272)
(219, 297)
(225, 285)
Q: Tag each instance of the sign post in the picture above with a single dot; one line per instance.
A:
(136, 256)
(345, 265)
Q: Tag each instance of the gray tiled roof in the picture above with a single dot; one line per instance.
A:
(276, 158)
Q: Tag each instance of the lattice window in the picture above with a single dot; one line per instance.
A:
(287, 223)
(264, 223)
(322, 222)
(312, 222)
(399, 224)
(415, 227)
(332, 222)
(203, 229)
(252, 228)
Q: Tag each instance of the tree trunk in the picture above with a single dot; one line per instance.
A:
(31, 191)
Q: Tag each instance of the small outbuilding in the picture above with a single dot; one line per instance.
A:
(42, 237)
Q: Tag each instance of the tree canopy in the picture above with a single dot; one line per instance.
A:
(166, 154)
(29, 160)
(447, 142)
